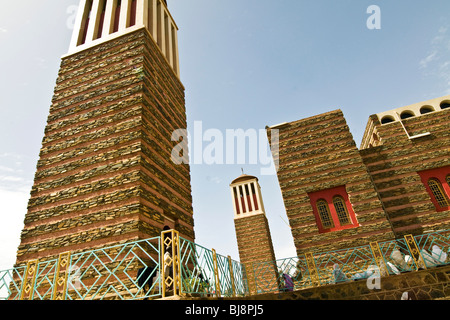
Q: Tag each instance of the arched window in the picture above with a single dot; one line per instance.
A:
(438, 192)
(341, 210)
(426, 109)
(406, 115)
(324, 214)
(387, 119)
(445, 104)
(437, 184)
(332, 209)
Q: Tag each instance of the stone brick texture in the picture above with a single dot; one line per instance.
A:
(385, 190)
(104, 174)
(394, 164)
(255, 245)
(319, 153)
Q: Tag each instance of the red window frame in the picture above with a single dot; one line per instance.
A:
(441, 175)
(328, 195)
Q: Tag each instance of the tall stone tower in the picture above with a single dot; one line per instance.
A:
(105, 174)
(252, 232)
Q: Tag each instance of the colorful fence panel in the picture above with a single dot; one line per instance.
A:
(206, 273)
(375, 259)
(11, 283)
(125, 272)
(145, 269)
(169, 264)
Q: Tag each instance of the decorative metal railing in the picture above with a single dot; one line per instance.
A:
(377, 258)
(171, 265)
(11, 283)
(204, 272)
(145, 269)
(117, 272)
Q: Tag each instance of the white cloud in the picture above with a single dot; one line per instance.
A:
(12, 174)
(11, 179)
(440, 45)
(446, 93)
(41, 62)
(441, 35)
(214, 179)
(14, 196)
(3, 30)
(12, 213)
(445, 65)
(12, 155)
(426, 61)
(437, 62)
(6, 169)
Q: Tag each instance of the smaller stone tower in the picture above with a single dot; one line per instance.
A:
(252, 232)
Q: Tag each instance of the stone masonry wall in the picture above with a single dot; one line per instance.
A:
(255, 245)
(316, 154)
(394, 164)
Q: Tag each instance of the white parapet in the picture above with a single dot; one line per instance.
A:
(414, 110)
(99, 21)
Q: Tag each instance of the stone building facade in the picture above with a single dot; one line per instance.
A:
(397, 183)
(405, 150)
(105, 174)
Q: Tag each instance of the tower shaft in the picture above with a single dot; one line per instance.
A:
(105, 174)
(253, 233)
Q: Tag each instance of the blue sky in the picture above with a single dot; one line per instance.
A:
(245, 64)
